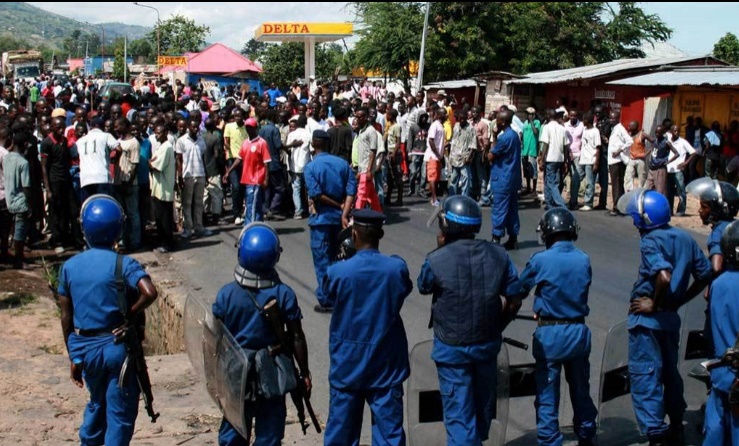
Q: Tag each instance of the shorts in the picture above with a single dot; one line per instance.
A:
(21, 226)
(433, 170)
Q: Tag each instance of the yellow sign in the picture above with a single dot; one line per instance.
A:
(178, 61)
(294, 29)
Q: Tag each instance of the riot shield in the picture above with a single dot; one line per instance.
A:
(617, 422)
(219, 359)
(425, 412)
(693, 351)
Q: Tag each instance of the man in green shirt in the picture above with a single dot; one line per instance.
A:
(529, 148)
(162, 177)
(34, 95)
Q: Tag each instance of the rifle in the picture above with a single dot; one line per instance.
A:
(134, 350)
(299, 395)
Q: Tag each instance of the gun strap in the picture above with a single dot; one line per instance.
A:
(254, 299)
(120, 286)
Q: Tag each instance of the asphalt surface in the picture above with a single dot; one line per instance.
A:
(611, 242)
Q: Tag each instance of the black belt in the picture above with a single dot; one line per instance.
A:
(546, 321)
(93, 333)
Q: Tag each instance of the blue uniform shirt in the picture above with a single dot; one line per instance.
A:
(714, 238)
(505, 172)
(88, 279)
(367, 342)
(674, 250)
(331, 176)
(562, 277)
(241, 317)
(724, 324)
(271, 135)
(465, 354)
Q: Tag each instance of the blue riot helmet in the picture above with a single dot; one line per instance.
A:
(730, 244)
(458, 215)
(102, 221)
(258, 252)
(648, 208)
(721, 197)
(558, 221)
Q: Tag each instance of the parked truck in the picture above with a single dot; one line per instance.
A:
(22, 64)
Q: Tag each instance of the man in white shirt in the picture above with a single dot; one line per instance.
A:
(298, 142)
(575, 128)
(435, 152)
(94, 151)
(675, 177)
(619, 144)
(589, 158)
(553, 150)
(189, 151)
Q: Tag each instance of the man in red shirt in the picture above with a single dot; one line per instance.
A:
(254, 155)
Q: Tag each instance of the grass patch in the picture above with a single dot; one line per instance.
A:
(16, 300)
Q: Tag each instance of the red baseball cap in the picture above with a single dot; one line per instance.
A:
(251, 122)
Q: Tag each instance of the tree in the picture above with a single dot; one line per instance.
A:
(283, 63)
(143, 48)
(179, 35)
(727, 49)
(9, 43)
(389, 38)
(119, 65)
(254, 49)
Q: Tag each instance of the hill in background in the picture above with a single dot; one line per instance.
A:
(26, 23)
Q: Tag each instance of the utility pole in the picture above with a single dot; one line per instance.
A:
(159, 23)
(419, 80)
(125, 58)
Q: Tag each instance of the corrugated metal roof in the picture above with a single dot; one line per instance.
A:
(676, 78)
(598, 70)
(465, 83)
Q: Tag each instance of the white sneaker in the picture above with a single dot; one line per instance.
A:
(59, 250)
(586, 208)
(238, 221)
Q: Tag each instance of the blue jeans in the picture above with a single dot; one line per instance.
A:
(298, 184)
(269, 424)
(346, 408)
(590, 189)
(380, 185)
(656, 385)
(468, 395)
(552, 197)
(237, 190)
(130, 201)
(416, 174)
(575, 179)
(460, 182)
(254, 200)
(677, 187)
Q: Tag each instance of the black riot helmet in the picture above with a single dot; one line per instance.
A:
(730, 244)
(459, 216)
(722, 197)
(346, 244)
(557, 221)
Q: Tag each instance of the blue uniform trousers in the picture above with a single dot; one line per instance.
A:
(468, 394)
(324, 246)
(568, 347)
(653, 356)
(505, 214)
(110, 415)
(720, 427)
(269, 425)
(346, 407)
(254, 203)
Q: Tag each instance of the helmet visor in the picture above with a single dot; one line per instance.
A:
(630, 203)
(705, 189)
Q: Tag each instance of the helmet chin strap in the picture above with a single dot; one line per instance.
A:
(249, 279)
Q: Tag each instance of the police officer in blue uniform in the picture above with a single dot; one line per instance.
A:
(255, 278)
(331, 187)
(368, 348)
(92, 321)
(467, 317)
(562, 278)
(505, 181)
(722, 409)
(669, 256)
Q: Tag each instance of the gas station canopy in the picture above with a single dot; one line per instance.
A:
(308, 33)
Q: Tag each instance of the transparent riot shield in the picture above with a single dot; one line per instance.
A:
(217, 358)
(694, 349)
(425, 412)
(617, 422)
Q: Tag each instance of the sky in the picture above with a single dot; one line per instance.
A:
(697, 26)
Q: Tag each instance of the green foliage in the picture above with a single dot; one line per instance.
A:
(254, 49)
(77, 42)
(143, 48)
(390, 37)
(179, 35)
(9, 42)
(119, 64)
(283, 63)
(727, 49)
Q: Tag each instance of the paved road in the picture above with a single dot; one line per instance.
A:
(612, 244)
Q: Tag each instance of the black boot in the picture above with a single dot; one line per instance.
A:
(512, 243)
(657, 441)
(496, 240)
(676, 435)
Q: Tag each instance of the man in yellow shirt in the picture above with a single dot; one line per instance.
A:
(234, 135)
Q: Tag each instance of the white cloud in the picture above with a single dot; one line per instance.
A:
(230, 23)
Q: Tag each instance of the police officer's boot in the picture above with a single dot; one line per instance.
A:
(658, 441)
(511, 243)
(676, 435)
(583, 442)
(496, 240)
